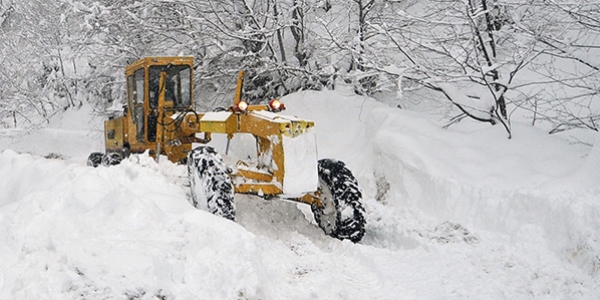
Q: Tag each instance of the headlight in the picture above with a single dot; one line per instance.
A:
(276, 105)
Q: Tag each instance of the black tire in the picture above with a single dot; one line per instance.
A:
(211, 186)
(95, 159)
(112, 159)
(342, 214)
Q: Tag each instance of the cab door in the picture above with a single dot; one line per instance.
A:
(135, 86)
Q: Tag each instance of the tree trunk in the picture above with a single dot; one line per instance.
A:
(279, 34)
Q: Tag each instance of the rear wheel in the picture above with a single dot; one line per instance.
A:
(211, 186)
(112, 159)
(95, 159)
(341, 214)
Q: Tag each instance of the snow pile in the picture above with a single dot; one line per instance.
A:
(72, 232)
(451, 214)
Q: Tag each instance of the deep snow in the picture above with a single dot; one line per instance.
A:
(462, 213)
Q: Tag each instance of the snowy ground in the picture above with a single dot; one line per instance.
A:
(462, 213)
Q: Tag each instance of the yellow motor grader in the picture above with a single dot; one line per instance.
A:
(159, 117)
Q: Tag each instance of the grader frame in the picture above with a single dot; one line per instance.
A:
(160, 118)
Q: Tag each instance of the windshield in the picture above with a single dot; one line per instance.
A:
(177, 86)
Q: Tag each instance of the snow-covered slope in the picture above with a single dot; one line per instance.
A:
(452, 214)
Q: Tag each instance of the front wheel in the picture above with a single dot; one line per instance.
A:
(341, 214)
(211, 186)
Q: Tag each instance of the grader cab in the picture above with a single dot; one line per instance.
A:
(159, 118)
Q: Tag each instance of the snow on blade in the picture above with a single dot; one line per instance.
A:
(219, 116)
(301, 175)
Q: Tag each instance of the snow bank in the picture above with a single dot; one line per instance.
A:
(519, 195)
(70, 231)
(520, 188)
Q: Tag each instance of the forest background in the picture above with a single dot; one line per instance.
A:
(492, 61)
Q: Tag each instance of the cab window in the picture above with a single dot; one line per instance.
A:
(177, 86)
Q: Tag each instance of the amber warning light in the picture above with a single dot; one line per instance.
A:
(242, 106)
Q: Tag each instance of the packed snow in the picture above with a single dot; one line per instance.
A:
(457, 213)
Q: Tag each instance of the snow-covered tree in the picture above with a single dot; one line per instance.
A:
(491, 60)
(565, 91)
(39, 74)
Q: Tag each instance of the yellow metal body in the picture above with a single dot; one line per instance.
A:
(167, 125)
